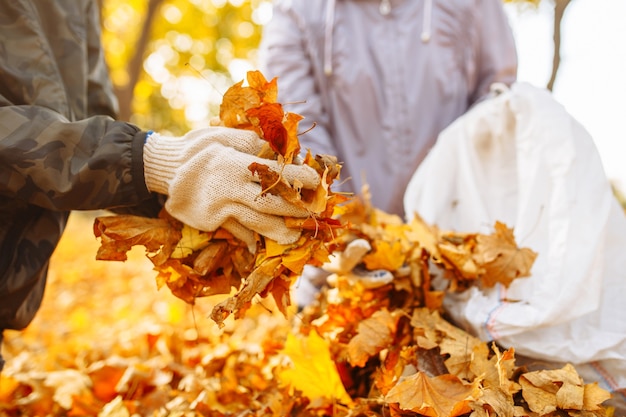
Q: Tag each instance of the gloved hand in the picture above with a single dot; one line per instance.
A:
(206, 178)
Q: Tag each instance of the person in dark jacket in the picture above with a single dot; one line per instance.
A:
(62, 149)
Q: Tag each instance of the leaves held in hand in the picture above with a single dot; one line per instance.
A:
(195, 264)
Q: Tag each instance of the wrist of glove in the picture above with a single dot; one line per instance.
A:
(208, 184)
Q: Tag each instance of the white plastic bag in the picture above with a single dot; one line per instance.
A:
(520, 158)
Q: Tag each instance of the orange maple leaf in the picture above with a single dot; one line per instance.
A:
(267, 91)
(237, 100)
(269, 118)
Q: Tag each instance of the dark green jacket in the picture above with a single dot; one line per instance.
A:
(60, 147)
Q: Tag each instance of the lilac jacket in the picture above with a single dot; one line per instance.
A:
(381, 79)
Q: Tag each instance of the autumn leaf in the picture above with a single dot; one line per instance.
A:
(546, 391)
(273, 183)
(253, 284)
(373, 334)
(296, 258)
(183, 367)
(385, 255)
(192, 240)
(496, 370)
(120, 233)
(500, 257)
(267, 91)
(237, 100)
(269, 119)
(427, 236)
(441, 396)
(461, 258)
(594, 396)
(210, 257)
(194, 263)
(313, 371)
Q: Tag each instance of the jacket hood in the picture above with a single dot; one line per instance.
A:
(385, 9)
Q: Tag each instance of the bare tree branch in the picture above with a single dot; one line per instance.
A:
(125, 93)
(559, 11)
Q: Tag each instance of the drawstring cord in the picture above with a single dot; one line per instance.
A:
(426, 20)
(328, 37)
(385, 7)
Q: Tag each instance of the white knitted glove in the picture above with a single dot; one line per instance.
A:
(206, 178)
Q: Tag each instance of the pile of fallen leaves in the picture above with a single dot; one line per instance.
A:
(375, 343)
(110, 345)
(194, 263)
(388, 350)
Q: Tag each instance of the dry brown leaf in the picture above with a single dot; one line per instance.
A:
(254, 284)
(373, 335)
(548, 390)
(501, 258)
(441, 396)
(120, 233)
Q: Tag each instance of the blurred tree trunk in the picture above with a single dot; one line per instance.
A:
(124, 93)
(559, 11)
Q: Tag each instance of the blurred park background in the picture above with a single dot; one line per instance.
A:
(171, 60)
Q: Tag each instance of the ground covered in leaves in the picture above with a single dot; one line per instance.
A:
(106, 342)
(204, 327)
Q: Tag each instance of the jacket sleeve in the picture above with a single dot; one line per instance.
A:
(48, 161)
(496, 53)
(287, 52)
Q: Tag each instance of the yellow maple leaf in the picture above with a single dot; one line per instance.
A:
(296, 258)
(313, 371)
(191, 240)
(594, 396)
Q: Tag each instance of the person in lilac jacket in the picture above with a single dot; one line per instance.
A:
(380, 79)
